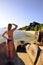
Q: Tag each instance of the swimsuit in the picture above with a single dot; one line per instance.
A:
(9, 40)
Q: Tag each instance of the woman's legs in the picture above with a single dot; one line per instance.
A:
(11, 51)
(7, 51)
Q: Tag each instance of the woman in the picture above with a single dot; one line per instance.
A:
(10, 40)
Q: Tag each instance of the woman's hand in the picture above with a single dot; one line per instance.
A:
(3, 35)
(14, 27)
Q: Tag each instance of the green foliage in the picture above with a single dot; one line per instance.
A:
(33, 28)
(24, 28)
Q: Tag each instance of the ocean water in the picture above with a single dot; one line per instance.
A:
(18, 35)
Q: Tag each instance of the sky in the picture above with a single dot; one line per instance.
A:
(20, 12)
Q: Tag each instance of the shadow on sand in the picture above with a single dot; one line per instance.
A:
(3, 61)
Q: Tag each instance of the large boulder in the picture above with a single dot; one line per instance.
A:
(33, 52)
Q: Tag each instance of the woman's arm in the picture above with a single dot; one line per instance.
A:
(3, 35)
(14, 27)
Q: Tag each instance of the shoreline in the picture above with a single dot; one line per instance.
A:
(31, 32)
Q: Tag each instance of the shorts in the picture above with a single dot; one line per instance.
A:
(9, 40)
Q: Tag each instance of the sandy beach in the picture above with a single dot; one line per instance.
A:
(31, 32)
(30, 39)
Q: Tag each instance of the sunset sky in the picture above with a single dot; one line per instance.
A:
(20, 12)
